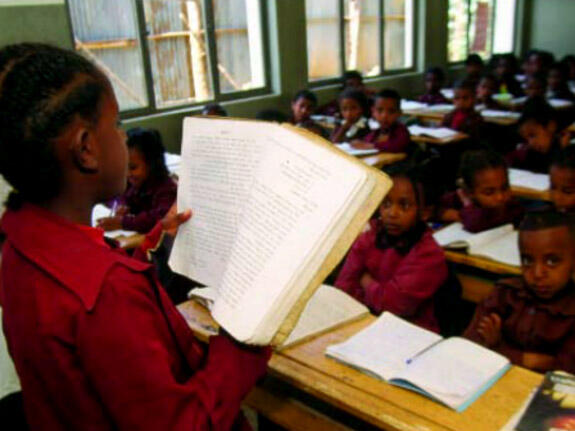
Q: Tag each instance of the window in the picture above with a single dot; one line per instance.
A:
(365, 35)
(484, 27)
(161, 54)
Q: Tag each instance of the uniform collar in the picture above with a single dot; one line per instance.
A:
(64, 251)
(563, 304)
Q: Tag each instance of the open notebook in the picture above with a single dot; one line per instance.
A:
(529, 180)
(433, 132)
(499, 244)
(346, 147)
(275, 209)
(452, 371)
(328, 308)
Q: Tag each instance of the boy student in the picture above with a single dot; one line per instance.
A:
(531, 319)
(302, 107)
(464, 117)
(392, 136)
(434, 79)
(96, 342)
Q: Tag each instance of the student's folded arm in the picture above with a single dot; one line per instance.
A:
(417, 278)
(127, 353)
(349, 278)
(145, 220)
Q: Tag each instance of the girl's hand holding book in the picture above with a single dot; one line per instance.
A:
(172, 220)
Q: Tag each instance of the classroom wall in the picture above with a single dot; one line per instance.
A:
(550, 26)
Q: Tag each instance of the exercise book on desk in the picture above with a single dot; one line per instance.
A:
(433, 132)
(275, 210)
(499, 244)
(347, 148)
(529, 180)
(452, 371)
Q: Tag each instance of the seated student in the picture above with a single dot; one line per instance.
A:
(392, 136)
(464, 117)
(397, 266)
(473, 68)
(484, 201)
(562, 178)
(557, 84)
(539, 128)
(486, 88)
(352, 107)
(302, 107)
(531, 319)
(434, 79)
(505, 70)
(538, 62)
(151, 192)
(351, 79)
(536, 86)
(96, 341)
(214, 110)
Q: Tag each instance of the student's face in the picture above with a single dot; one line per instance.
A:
(491, 188)
(533, 65)
(350, 110)
(486, 89)
(563, 189)
(302, 108)
(353, 83)
(534, 88)
(503, 68)
(138, 169)
(538, 137)
(432, 83)
(114, 152)
(554, 79)
(473, 69)
(463, 99)
(385, 111)
(547, 260)
(399, 210)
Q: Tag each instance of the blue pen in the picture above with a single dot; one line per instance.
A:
(421, 352)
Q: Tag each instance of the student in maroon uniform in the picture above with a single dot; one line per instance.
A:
(353, 108)
(464, 118)
(95, 340)
(434, 79)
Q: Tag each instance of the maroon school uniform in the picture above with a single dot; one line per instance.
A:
(433, 99)
(529, 324)
(147, 204)
(477, 219)
(397, 141)
(97, 343)
(404, 282)
(468, 122)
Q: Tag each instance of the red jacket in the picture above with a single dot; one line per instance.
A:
(404, 284)
(97, 343)
(397, 141)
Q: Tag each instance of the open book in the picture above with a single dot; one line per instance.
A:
(453, 371)
(433, 132)
(499, 244)
(275, 209)
(529, 180)
(346, 147)
(328, 308)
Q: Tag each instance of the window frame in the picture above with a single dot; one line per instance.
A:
(491, 36)
(381, 41)
(217, 95)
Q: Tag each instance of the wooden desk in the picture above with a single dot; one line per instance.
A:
(438, 116)
(531, 194)
(382, 159)
(305, 367)
(482, 263)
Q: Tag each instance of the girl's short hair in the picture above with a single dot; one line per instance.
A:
(475, 161)
(42, 88)
(357, 95)
(538, 110)
(305, 94)
(149, 143)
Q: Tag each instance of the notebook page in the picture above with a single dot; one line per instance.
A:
(441, 107)
(327, 308)
(452, 236)
(5, 190)
(219, 158)
(412, 105)
(453, 370)
(346, 146)
(493, 113)
(530, 180)
(434, 132)
(504, 249)
(295, 200)
(560, 103)
(384, 346)
(479, 240)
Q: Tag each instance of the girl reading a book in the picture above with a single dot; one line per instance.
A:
(484, 200)
(353, 107)
(96, 342)
(562, 176)
(396, 265)
(531, 319)
(151, 192)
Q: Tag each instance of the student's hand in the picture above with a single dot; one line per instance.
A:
(366, 280)
(538, 361)
(361, 145)
(110, 223)
(466, 200)
(490, 330)
(172, 220)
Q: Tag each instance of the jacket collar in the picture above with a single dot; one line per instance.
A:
(562, 304)
(63, 251)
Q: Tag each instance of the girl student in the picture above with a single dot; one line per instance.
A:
(531, 319)
(353, 106)
(397, 266)
(151, 192)
(95, 340)
(484, 200)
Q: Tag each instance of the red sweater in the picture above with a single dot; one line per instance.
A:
(397, 141)
(404, 284)
(97, 343)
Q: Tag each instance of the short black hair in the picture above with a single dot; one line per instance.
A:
(413, 174)
(473, 60)
(437, 71)
(357, 95)
(475, 161)
(388, 93)
(464, 84)
(149, 143)
(351, 74)
(547, 218)
(489, 77)
(565, 158)
(272, 115)
(42, 88)
(305, 94)
(216, 108)
(537, 109)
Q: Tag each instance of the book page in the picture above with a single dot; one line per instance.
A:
(383, 348)
(298, 194)
(433, 132)
(481, 239)
(493, 113)
(346, 146)
(529, 180)
(5, 190)
(454, 370)
(412, 105)
(504, 249)
(452, 236)
(560, 103)
(219, 158)
(441, 108)
(328, 307)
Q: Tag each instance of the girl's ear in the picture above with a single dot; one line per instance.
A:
(83, 148)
